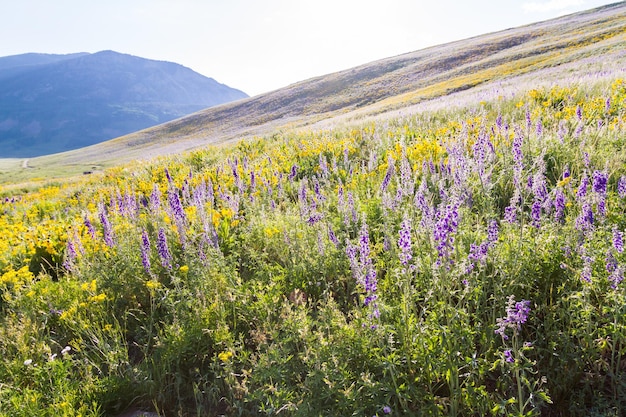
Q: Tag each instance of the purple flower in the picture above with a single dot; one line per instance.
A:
(536, 213)
(90, 229)
(618, 240)
(293, 172)
(387, 409)
(585, 220)
(388, 174)
(600, 180)
(516, 315)
(445, 227)
(559, 205)
(582, 188)
(107, 229)
(145, 251)
(164, 253)
(175, 205)
(404, 242)
(332, 237)
(492, 231)
(70, 255)
(616, 277)
(585, 273)
(621, 186)
(508, 356)
(517, 149)
(579, 112)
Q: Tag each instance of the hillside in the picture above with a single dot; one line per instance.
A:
(55, 103)
(586, 44)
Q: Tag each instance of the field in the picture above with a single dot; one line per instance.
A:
(463, 261)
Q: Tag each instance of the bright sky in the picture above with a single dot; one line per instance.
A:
(261, 45)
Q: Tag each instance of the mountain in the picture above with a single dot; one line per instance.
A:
(54, 103)
(581, 46)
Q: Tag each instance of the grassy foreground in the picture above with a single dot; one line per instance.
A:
(465, 262)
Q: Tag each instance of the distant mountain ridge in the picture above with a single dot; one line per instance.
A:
(55, 103)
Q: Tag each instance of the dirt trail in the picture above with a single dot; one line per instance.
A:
(25, 163)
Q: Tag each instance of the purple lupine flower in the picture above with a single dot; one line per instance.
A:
(616, 276)
(175, 205)
(167, 175)
(387, 409)
(516, 315)
(516, 148)
(367, 271)
(70, 255)
(559, 205)
(90, 229)
(145, 251)
(155, 199)
(582, 188)
(621, 186)
(585, 220)
(579, 112)
(323, 165)
(492, 232)
(320, 243)
(445, 227)
(535, 213)
(107, 229)
(600, 180)
(351, 251)
(351, 206)
(406, 177)
(529, 121)
(293, 172)
(510, 212)
(618, 240)
(404, 242)
(607, 104)
(610, 262)
(388, 174)
(499, 121)
(332, 237)
(539, 128)
(164, 253)
(508, 356)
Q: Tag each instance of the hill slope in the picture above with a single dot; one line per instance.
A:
(54, 103)
(582, 44)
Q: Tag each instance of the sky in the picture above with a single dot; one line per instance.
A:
(261, 45)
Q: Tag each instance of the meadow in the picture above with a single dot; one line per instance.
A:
(453, 262)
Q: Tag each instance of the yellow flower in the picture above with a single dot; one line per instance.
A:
(184, 269)
(152, 285)
(98, 298)
(225, 356)
(564, 182)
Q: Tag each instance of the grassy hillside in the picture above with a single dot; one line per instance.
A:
(560, 50)
(459, 262)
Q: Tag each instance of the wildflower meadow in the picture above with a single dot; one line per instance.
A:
(467, 261)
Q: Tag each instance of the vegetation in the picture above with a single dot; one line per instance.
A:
(459, 262)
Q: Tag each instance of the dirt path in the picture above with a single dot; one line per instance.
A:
(25, 163)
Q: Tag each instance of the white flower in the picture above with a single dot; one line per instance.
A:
(66, 350)
(28, 362)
